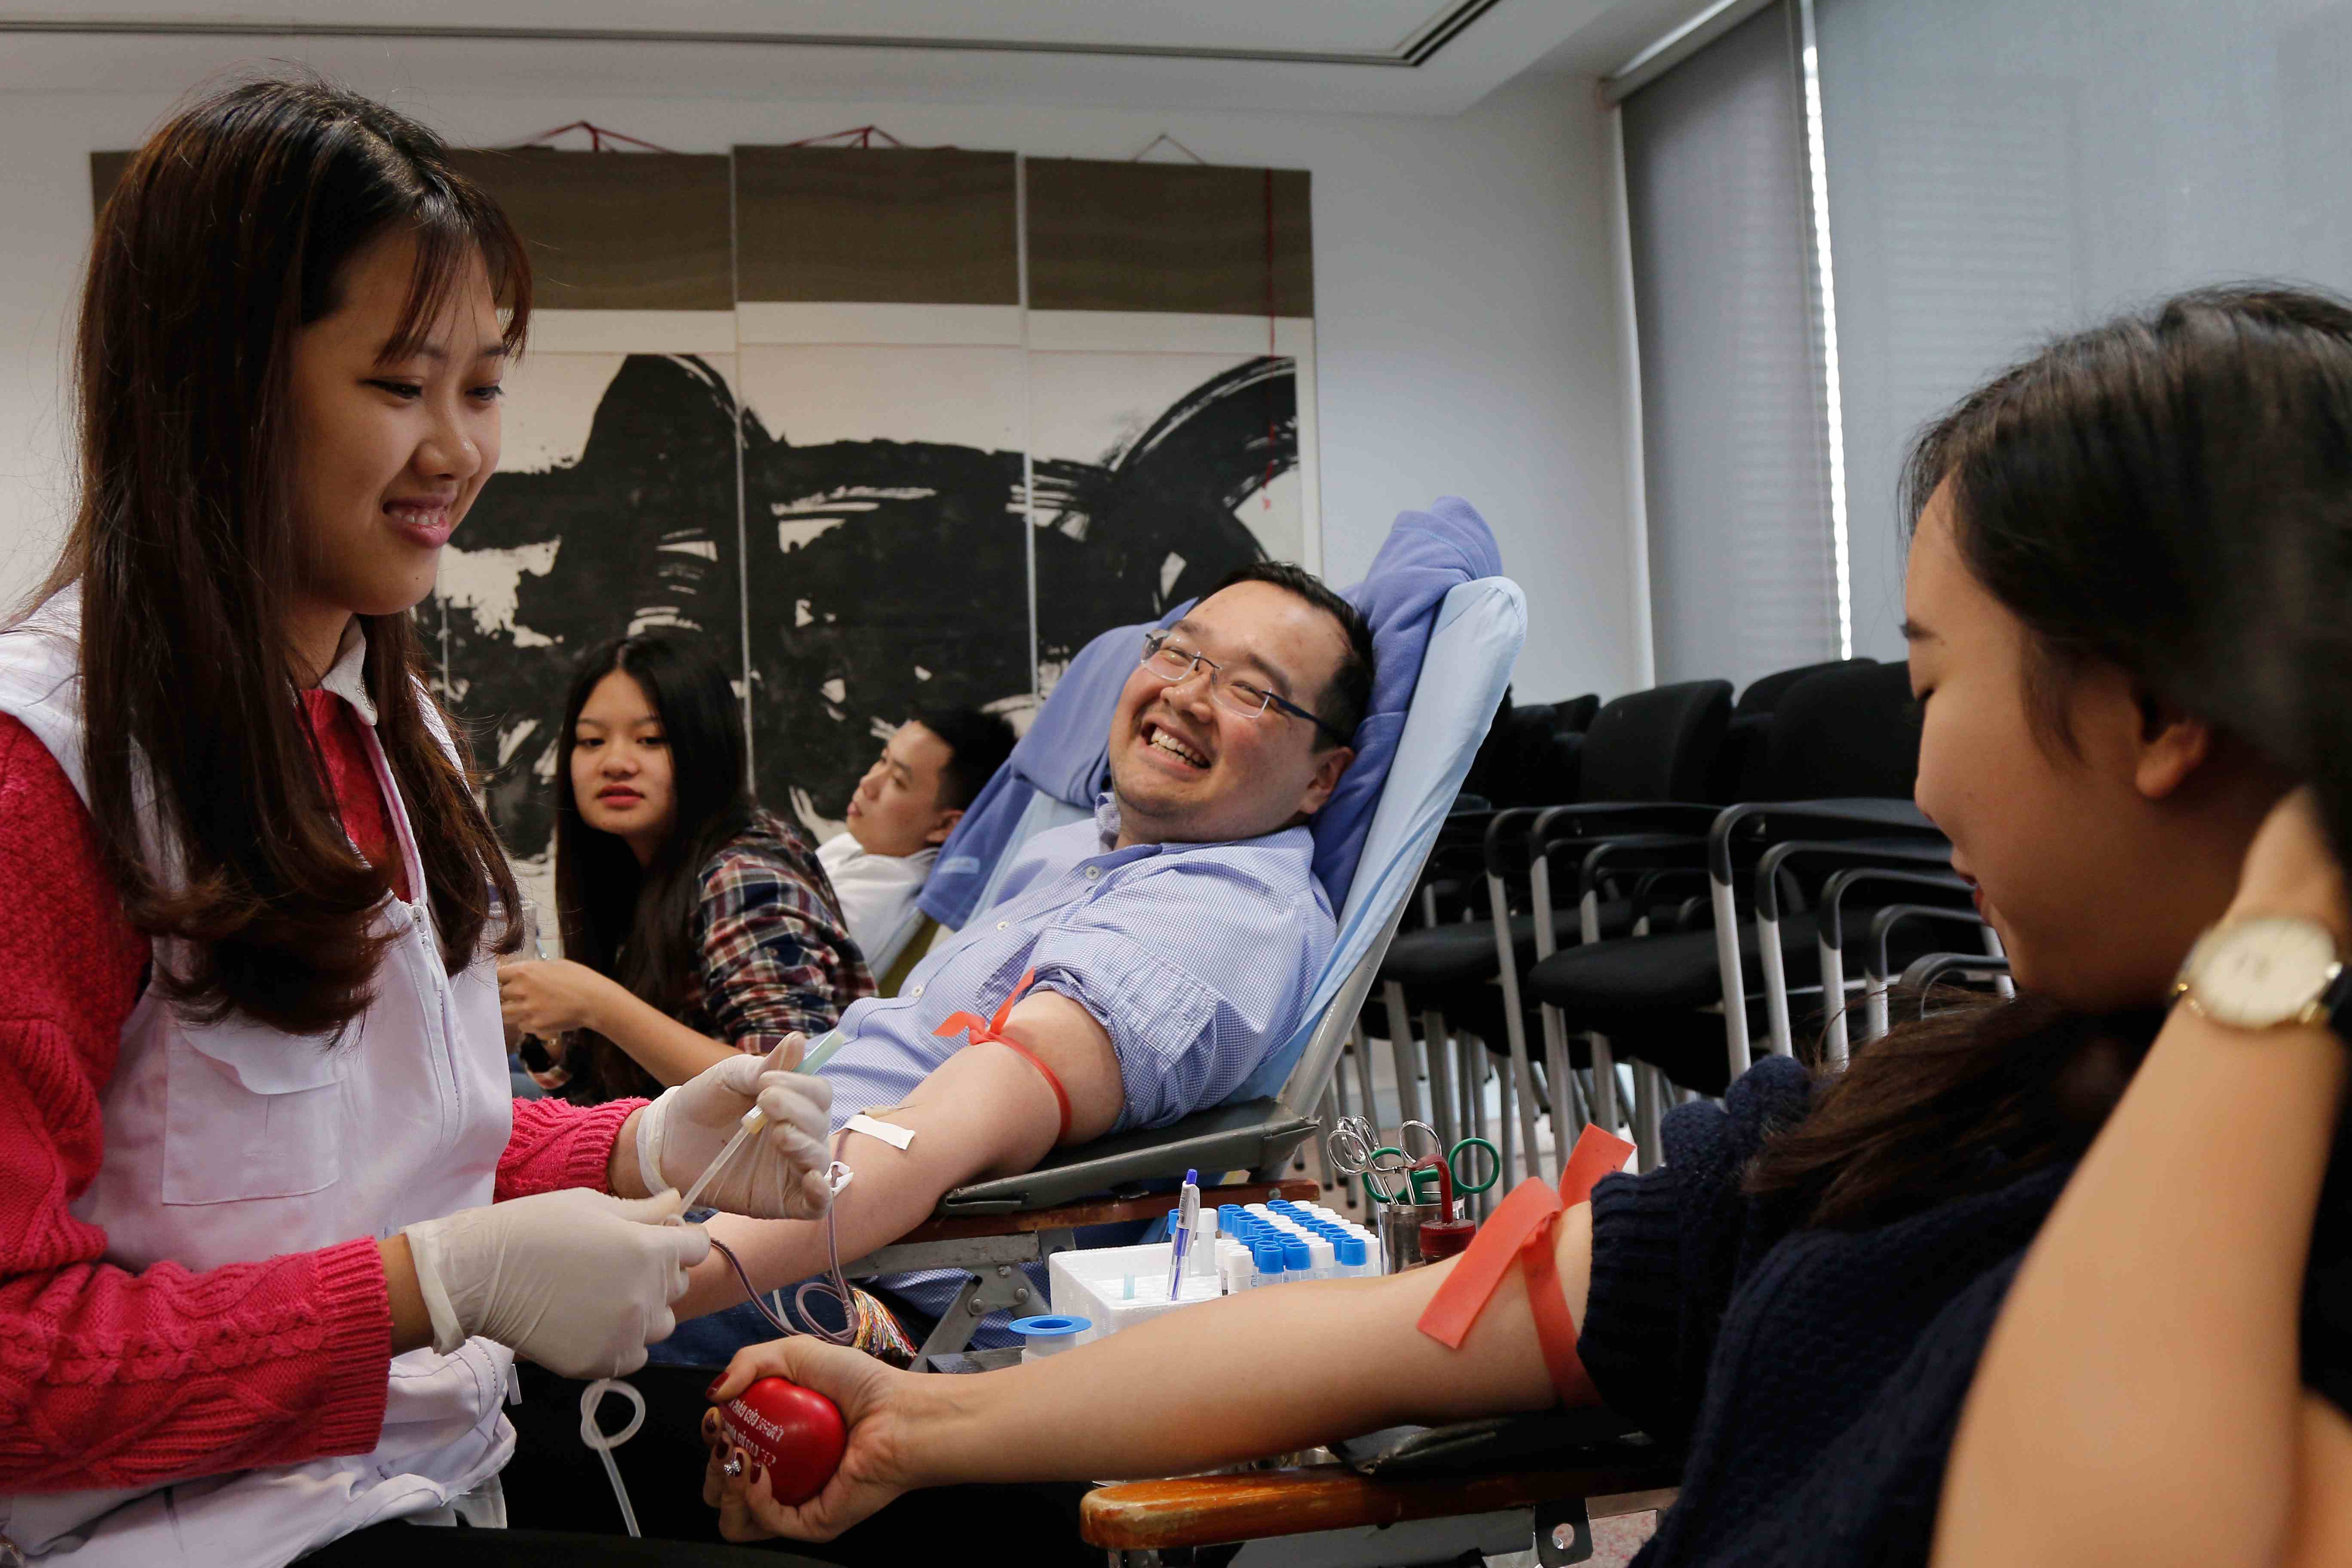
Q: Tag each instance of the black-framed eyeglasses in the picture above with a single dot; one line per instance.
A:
(1172, 661)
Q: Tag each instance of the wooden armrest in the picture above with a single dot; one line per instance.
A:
(1104, 1211)
(1205, 1510)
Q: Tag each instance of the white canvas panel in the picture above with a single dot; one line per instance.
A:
(633, 332)
(784, 321)
(1094, 408)
(552, 398)
(1171, 332)
(815, 394)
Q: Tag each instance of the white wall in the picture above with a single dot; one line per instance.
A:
(1466, 341)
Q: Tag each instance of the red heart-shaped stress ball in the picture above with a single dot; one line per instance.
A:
(797, 1433)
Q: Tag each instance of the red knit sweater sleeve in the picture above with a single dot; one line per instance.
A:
(109, 1378)
(560, 1145)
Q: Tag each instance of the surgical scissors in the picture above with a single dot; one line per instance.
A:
(1354, 1151)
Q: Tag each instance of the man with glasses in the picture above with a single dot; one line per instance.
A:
(1172, 940)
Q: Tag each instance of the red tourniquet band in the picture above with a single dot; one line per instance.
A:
(977, 1029)
(1522, 1230)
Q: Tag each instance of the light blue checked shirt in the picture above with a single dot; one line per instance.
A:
(1197, 959)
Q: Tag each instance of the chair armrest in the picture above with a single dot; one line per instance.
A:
(1207, 1511)
(1765, 822)
(1101, 1211)
(1675, 849)
(1926, 970)
(1927, 854)
(1833, 891)
(1883, 924)
(1603, 819)
(1257, 1135)
(1503, 829)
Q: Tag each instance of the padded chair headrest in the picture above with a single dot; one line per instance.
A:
(1764, 693)
(1656, 744)
(1575, 716)
(1848, 731)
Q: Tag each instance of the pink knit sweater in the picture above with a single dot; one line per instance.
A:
(114, 1379)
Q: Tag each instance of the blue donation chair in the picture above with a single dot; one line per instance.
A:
(1446, 630)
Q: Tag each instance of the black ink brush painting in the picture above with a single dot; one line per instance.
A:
(850, 579)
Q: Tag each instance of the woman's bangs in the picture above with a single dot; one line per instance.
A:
(451, 236)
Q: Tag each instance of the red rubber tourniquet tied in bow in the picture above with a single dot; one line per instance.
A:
(977, 1029)
(1522, 1230)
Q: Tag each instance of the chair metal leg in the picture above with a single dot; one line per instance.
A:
(1471, 1058)
(1408, 1064)
(1339, 1108)
(1649, 1089)
(1326, 1116)
(1440, 1051)
(1776, 986)
(1735, 984)
(1605, 1112)
(1515, 1024)
(1363, 1046)
(1507, 1120)
(1567, 1108)
(1833, 1036)
(2002, 986)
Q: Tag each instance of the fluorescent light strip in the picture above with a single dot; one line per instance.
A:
(1816, 163)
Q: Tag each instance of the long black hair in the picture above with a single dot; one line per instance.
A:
(232, 229)
(637, 924)
(2169, 494)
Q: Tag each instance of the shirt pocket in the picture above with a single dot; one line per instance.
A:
(251, 1112)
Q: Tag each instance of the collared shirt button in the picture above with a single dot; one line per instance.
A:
(1003, 925)
(918, 991)
(1094, 873)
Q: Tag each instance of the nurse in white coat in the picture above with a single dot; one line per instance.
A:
(271, 1230)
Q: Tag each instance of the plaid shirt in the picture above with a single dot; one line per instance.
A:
(776, 954)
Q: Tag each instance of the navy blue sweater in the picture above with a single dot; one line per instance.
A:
(1814, 1378)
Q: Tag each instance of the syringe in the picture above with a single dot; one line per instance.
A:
(754, 1119)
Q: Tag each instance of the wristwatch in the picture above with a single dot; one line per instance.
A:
(2267, 970)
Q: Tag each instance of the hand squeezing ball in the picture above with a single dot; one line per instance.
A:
(795, 1433)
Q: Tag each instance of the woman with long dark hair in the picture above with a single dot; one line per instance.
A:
(696, 926)
(271, 1229)
(2128, 568)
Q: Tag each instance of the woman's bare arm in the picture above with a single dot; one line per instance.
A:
(1270, 1371)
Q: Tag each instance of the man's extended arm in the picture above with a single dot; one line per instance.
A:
(985, 1112)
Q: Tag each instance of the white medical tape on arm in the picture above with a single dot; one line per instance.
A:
(896, 1137)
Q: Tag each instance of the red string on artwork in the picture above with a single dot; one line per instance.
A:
(597, 136)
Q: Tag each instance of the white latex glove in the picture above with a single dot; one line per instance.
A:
(581, 1283)
(779, 1174)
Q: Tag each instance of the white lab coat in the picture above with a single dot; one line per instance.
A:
(877, 895)
(233, 1142)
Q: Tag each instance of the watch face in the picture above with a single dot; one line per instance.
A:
(2257, 972)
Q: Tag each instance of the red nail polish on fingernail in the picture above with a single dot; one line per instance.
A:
(757, 1471)
(712, 1392)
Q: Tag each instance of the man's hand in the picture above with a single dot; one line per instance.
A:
(547, 996)
(879, 1405)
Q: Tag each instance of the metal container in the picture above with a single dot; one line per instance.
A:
(1401, 1235)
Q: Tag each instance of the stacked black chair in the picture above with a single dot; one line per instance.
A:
(1640, 765)
(1738, 771)
(1840, 757)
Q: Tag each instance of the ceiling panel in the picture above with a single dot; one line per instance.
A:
(1409, 57)
(1373, 30)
